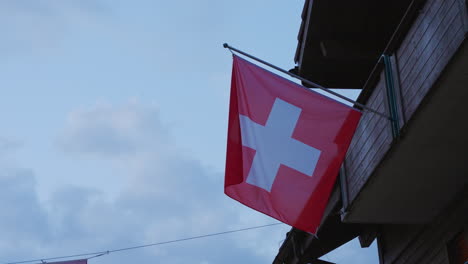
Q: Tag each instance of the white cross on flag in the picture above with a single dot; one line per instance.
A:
(285, 145)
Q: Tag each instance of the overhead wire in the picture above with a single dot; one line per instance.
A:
(105, 252)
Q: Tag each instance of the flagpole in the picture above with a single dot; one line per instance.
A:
(313, 84)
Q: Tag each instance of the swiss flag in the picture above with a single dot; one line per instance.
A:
(79, 261)
(285, 145)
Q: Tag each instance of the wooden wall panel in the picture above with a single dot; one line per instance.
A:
(433, 69)
(416, 32)
(431, 42)
(463, 5)
(431, 39)
(422, 37)
(370, 143)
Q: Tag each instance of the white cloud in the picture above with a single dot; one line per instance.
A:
(7, 146)
(23, 222)
(108, 131)
(166, 196)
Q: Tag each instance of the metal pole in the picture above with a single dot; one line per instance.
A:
(315, 85)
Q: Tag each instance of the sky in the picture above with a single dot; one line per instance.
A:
(114, 128)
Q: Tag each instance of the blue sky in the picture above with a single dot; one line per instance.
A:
(114, 127)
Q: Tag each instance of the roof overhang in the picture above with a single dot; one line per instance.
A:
(340, 41)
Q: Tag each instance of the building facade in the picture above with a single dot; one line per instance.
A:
(404, 181)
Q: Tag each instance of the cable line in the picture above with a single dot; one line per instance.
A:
(102, 253)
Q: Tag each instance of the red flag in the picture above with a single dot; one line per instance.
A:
(285, 145)
(79, 261)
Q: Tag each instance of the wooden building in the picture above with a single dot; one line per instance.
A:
(404, 183)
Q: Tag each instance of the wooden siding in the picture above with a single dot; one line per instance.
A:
(431, 42)
(370, 143)
(412, 244)
(429, 45)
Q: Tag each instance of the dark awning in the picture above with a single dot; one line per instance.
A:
(340, 41)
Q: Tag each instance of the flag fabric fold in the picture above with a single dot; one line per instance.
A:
(285, 145)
